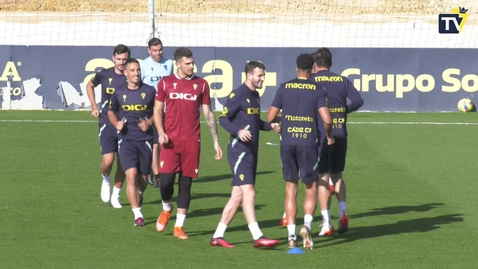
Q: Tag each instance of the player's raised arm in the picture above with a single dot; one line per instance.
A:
(356, 100)
(90, 91)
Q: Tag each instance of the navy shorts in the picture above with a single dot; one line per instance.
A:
(303, 159)
(332, 158)
(243, 166)
(136, 154)
(108, 136)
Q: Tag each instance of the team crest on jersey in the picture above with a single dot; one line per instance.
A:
(161, 163)
(195, 86)
(231, 95)
(110, 80)
(248, 101)
(241, 176)
(143, 95)
(174, 85)
(124, 97)
(224, 111)
(258, 101)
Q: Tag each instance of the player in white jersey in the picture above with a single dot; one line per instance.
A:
(153, 69)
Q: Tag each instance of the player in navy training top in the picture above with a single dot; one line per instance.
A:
(241, 118)
(110, 79)
(153, 69)
(131, 112)
(332, 164)
(302, 102)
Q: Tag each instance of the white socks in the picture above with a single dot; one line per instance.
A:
(167, 206)
(137, 212)
(255, 231)
(342, 208)
(115, 198)
(116, 192)
(220, 230)
(308, 220)
(325, 216)
(180, 220)
(105, 189)
(291, 231)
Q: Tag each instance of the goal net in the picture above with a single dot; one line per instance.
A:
(312, 23)
(235, 23)
(74, 22)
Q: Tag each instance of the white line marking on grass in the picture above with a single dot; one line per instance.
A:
(350, 122)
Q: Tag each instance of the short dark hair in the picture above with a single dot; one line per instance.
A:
(154, 42)
(305, 62)
(181, 53)
(253, 65)
(323, 57)
(131, 60)
(120, 49)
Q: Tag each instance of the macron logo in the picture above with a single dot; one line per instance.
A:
(183, 96)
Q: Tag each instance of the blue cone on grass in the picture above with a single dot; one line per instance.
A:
(295, 251)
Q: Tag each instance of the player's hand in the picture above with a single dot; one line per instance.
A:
(330, 140)
(143, 125)
(95, 112)
(120, 124)
(218, 149)
(244, 135)
(163, 139)
(276, 127)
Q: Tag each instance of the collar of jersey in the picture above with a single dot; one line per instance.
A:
(191, 77)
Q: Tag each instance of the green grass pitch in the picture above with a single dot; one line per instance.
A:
(411, 200)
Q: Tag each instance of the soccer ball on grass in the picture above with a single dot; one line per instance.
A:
(465, 105)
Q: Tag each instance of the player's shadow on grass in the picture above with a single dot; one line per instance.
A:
(262, 224)
(421, 225)
(209, 195)
(202, 213)
(224, 177)
(394, 210)
(214, 211)
(194, 196)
